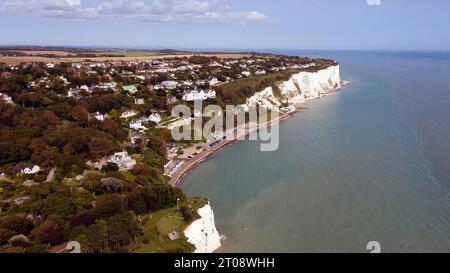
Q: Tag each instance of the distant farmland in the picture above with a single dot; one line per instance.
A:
(113, 55)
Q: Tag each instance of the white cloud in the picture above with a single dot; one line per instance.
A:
(374, 2)
(178, 11)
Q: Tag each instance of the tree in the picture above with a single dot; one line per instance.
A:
(85, 218)
(100, 147)
(50, 232)
(160, 196)
(97, 235)
(16, 223)
(80, 115)
(50, 118)
(188, 215)
(158, 145)
(5, 235)
(110, 167)
(122, 230)
(110, 204)
(136, 201)
(42, 153)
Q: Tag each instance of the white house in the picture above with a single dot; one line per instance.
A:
(169, 84)
(5, 98)
(85, 88)
(246, 73)
(139, 124)
(123, 160)
(260, 72)
(34, 170)
(64, 80)
(128, 114)
(98, 116)
(75, 93)
(187, 83)
(155, 117)
(199, 95)
(213, 81)
(139, 101)
(132, 89)
(107, 85)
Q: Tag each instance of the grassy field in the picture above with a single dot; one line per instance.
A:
(152, 57)
(26, 59)
(158, 225)
(125, 53)
(121, 56)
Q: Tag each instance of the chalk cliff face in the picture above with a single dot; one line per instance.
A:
(299, 88)
(202, 233)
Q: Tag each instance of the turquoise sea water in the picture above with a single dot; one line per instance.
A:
(370, 163)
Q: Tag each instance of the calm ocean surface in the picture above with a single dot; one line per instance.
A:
(370, 163)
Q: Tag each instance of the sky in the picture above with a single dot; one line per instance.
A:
(229, 24)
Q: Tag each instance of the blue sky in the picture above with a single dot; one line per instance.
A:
(239, 24)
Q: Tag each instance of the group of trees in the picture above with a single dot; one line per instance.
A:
(102, 215)
(101, 211)
(44, 138)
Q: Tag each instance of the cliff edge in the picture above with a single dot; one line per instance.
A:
(202, 233)
(299, 88)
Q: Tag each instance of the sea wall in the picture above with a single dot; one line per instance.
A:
(299, 88)
(202, 233)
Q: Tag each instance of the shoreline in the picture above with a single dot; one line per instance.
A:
(187, 168)
(191, 164)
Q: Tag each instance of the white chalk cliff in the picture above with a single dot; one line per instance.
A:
(299, 88)
(202, 233)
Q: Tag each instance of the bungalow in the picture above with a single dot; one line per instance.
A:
(132, 89)
(187, 83)
(32, 170)
(138, 124)
(260, 72)
(155, 117)
(139, 101)
(201, 82)
(106, 86)
(169, 84)
(246, 73)
(213, 81)
(123, 160)
(199, 95)
(23, 168)
(64, 80)
(128, 114)
(76, 93)
(98, 116)
(5, 98)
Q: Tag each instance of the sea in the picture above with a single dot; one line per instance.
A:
(370, 163)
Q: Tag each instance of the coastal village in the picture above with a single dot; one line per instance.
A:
(86, 147)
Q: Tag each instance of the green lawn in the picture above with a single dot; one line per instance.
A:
(123, 53)
(159, 224)
(126, 53)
